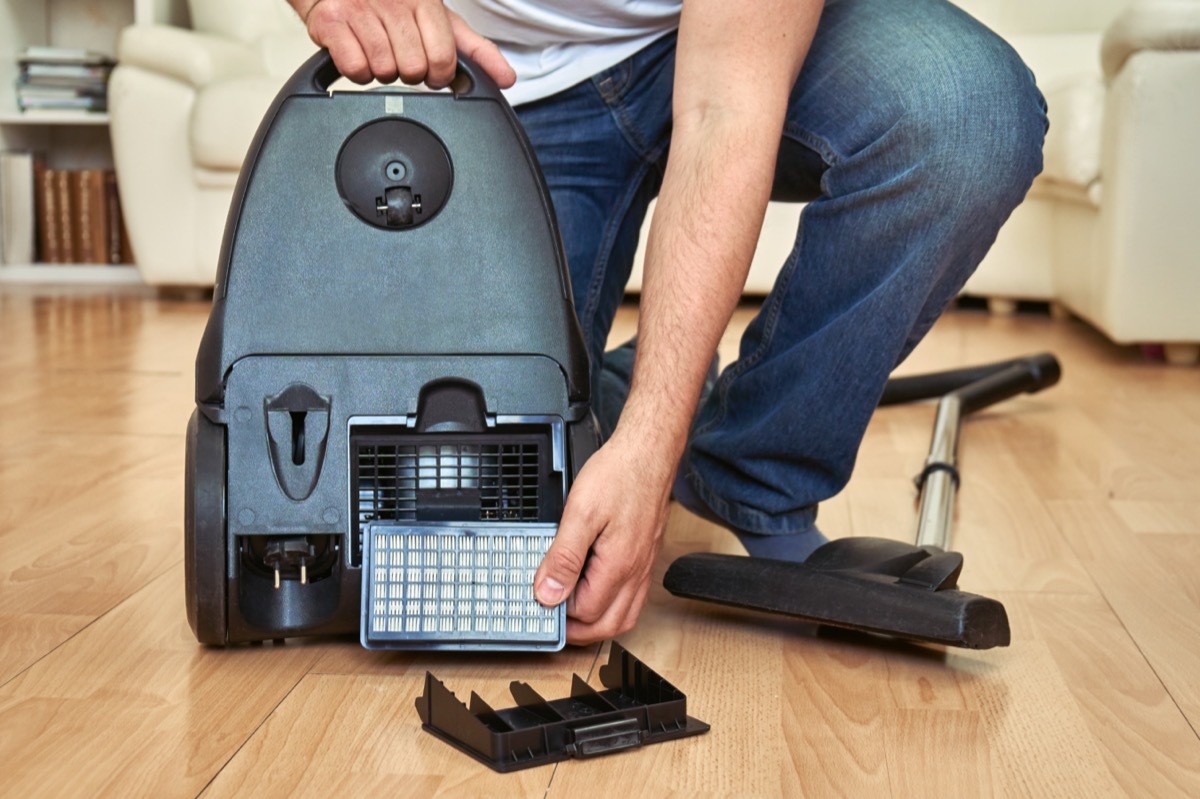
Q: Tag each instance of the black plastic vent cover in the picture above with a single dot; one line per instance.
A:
(636, 707)
(501, 477)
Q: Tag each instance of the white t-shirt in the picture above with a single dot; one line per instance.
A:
(555, 44)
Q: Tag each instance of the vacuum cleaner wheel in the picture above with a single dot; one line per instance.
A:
(204, 530)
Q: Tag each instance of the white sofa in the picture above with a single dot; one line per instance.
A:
(184, 105)
(1109, 230)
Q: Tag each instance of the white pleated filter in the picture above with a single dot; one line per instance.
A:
(456, 584)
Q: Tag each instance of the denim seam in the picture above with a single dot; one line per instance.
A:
(812, 141)
(822, 147)
(718, 505)
(618, 109)
(745, 520)
(606, 245)
(745, 364)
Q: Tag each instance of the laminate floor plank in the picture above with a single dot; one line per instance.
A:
(132, 706)
(1152, 603)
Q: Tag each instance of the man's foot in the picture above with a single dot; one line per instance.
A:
(783, 546)
(616, 374)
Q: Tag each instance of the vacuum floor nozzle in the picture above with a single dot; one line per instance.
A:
(878, 585)
(874, 585)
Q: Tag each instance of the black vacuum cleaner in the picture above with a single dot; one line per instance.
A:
(879, 585)
(392, 389)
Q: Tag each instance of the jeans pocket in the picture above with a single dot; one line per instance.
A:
(612, 82)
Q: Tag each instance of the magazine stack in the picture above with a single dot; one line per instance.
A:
(62, 79)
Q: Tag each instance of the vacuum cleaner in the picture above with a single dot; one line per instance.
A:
(392, 387)
(881, 585)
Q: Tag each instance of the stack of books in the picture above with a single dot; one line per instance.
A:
(63, 79)
(79, 217)
(59, 216)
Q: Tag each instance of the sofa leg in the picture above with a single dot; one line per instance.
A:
(1182, 354)
(1001, 306)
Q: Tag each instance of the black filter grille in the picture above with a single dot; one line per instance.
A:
(408, 478)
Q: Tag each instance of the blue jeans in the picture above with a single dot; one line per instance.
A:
(912, 131)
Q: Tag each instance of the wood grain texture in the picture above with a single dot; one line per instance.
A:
(1079, 510)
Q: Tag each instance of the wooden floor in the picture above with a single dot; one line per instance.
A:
(1080, 509)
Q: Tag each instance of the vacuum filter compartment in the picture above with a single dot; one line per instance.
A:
(452, 528)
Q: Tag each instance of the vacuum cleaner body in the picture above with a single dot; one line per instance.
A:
(392, 389)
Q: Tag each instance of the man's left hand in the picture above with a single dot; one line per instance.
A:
(608, 539)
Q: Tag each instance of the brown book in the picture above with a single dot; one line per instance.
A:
(82, 221)
(112, 205)
(127, 256)
(98, 186)
(63, 187)
(46, 200)
(92, 218)
(122, 247)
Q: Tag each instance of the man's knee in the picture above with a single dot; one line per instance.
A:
(980, 122)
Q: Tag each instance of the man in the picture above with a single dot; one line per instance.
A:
(911, 128)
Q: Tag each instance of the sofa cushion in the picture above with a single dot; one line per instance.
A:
(244, 20)
(283, 53)
(1067, 68)
(1072, 149)
(225, 117)
(1012, 18)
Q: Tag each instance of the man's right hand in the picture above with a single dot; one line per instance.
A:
(413, 40)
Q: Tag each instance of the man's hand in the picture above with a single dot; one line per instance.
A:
(413, 40)
(617, 509)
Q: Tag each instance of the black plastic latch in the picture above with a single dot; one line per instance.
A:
(600, 739)
(297, 431)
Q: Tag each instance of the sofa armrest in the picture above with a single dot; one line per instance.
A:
(1157, 25)
(194, 58)
(1139, 280)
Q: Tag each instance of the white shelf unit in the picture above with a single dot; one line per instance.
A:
(82, 274)
(68, 140)
(11, 117)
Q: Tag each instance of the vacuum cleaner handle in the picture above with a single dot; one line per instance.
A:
(938, 481)
(1022, 376)
(317, 74)
(1031, 373)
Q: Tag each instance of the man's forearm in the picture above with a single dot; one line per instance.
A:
(702, 239)
(731, 92)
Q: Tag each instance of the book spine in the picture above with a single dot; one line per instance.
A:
(127, 256)
(49, 239)
(113, 203)
(81, 232)
(66, 213)
(98, 230)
